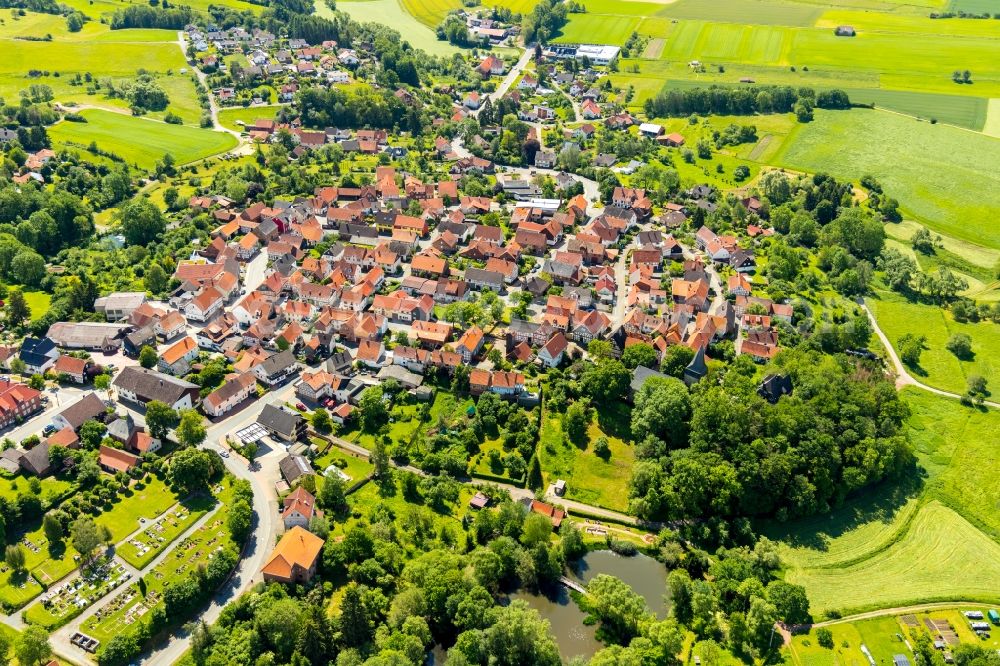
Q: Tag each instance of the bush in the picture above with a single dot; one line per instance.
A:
(960, 345)
(825, 637)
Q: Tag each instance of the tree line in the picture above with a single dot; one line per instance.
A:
(746, 100)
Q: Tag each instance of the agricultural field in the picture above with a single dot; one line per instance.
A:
(920, 541)
(392, 13)
(761, 12)
(430, 12)
(938, 556)
(956, 445)
(612, 29)
(228, 117)
(96, 50)
(140, 141)
(938, 366)
(95, 9)
(947, 178)
(960, 110)
(589, 478)
(517, 6)
(976, 256)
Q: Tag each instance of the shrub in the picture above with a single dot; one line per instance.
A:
(825, 637)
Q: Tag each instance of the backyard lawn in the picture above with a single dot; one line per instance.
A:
(883, 636)
(51, 487)
(589, 478)
(355, 467)
(229, 116)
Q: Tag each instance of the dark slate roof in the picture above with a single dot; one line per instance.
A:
(36, 460)
(84, 409)
(279, 420)
(278, 362)
(775, 386)
(640, 375)
(294, 466)
(152, 385)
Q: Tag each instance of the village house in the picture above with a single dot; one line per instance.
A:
(298, 508)
(176, 359)
(295, 557)
(141, 386)
(233, 391)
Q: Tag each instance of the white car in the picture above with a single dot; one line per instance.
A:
(224, 453)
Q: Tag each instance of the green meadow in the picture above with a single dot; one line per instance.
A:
(95, 9)
(934, 535)
(589, 478)
(140, 141)
(939, 367)
(947, 178)
(96, 50)
(393, 14)
(229, 116)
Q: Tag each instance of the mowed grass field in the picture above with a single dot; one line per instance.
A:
(97, 8)
(600, 28)
(939, 367)
(947, 178)
(140, 141)
(430, 12)
(938, 557)
(960, 110)
(936, 536)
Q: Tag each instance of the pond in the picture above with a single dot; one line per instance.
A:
(644, 574)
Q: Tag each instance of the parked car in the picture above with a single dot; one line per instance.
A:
(224, 453)
(49, 429)
(299, 406)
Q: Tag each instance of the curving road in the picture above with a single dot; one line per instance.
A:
(903, 377)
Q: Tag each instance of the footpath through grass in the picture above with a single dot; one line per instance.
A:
(939, 367)
(138, 140)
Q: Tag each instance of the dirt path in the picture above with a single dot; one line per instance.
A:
(897, 610)
(903, 377)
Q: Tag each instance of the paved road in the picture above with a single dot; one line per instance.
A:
(58, 400)
(511, 76)
(61, 637)
(898, 610)
(203, 79)
(903, 377)
(266, 524)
